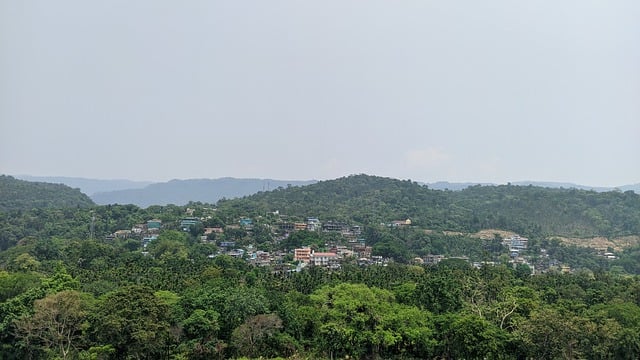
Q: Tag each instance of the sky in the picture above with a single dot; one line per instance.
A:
(480, 91)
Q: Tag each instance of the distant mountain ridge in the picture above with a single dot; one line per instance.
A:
(88, 186)
(181, 192)
(445, 185)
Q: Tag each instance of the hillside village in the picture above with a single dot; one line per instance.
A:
(347, 245)
(302, 180)
(426, 270)
(369, 220)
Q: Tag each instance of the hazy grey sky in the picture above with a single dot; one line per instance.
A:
(428, 90)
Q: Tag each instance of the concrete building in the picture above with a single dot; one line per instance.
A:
(154, 224)
(187, 223)
(303, 254)
(324, 259)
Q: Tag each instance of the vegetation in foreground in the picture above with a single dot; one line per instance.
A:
(68, 292)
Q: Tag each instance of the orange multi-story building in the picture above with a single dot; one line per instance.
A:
(303, 254)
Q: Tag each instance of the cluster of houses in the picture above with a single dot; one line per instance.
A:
(354, 250)
(314, 224)
(516, 244)
(305, 256)
(331, 258)
(147, 232)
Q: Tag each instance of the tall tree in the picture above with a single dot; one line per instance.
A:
(134, 321)
(57, 322)
(250, 337)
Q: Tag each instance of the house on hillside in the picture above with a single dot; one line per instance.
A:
(303, 254)
(313, 224)
(400, 223)
(325, 259)
(147, 240)
(286, 226)
(153, 226)
(213, 230)
(361, 250)
(236, 253)
(342, 251)
(516, 242)
(187, 223)
(261, 258)
(122, 234)
(432, 259)
(334, 226)
(139, 228)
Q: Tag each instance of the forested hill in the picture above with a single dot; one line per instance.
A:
(527, 210)
(23, 195)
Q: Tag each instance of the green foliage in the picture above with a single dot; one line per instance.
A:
(465, 336)
(176, 302)
(201, 324)
(440, 292)
(14, 284)
(355, 320)
(398, 311)
(133, 320)
(201, 330)
(241, 303)
(21, 305)
(299, 239)
(24, 195)
(630, 260)
(56, 324)
(253, 336)
(528, 210)
(170, 244)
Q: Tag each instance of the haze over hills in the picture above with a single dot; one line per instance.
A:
(438, 264)
(455, 186)
(369, 199)
(180, 192)
(366, 199)
(632, 187)
(88, 186)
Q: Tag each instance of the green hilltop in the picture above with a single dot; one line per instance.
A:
(223, 280)
(531, 210)
(23, 195)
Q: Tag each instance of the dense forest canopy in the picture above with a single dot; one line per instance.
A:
(23, 195)
(529, 210)
(83, 283)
